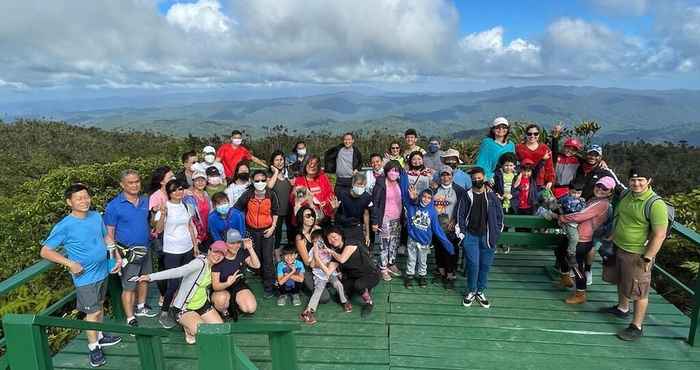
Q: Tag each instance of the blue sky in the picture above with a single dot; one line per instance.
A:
(407, 45)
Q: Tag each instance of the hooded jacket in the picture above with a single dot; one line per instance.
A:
(494, 213)
(422, 221)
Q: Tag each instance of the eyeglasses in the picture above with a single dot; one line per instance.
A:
(501, 127)
(395, 147)
(533, 133)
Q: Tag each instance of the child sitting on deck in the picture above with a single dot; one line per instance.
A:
(290, 276)
(324, 271)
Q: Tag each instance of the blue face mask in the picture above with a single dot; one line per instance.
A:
(223, 209)
(433, 148)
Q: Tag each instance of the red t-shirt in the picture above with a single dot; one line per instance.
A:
(321, 189)
(524, 193)
(230, 157)
(546, 173)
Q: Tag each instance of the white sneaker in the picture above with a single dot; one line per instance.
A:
(589, 277)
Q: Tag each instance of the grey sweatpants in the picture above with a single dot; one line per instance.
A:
(417, 258)
(320, 287)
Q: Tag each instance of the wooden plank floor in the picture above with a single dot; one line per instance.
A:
(527, 327)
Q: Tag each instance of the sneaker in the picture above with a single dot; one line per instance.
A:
(110, 340)
(483, 301)
(468, 299)
(282, 300)
(146, 311)
(506, 249)
(630, 333)
(366, 297)
(394, 270)
(589, 277)
(166, 320)
(408, 282)
(450, 284)
(296, 300)
(615, 310)
(308, 317)
(366, 310)
(386, 276)
(347, 307)
(225, 316)
(422, 282)
(190, 339)
(133, 323)
(97, 357)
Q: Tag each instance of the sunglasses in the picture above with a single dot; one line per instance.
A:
(533, 133)
(259, 181)
(601, 187)
(395, 148)
(179, 189)
(308, 215)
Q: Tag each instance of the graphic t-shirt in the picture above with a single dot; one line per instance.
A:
(283, 269)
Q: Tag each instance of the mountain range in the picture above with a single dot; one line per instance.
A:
(651, 115)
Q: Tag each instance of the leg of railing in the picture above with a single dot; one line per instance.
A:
(217, 350)
(284, 351)
(695, 315)
(150, 352)
(27, 344)
(115, 297)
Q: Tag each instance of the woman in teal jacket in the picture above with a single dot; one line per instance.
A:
(494, 146)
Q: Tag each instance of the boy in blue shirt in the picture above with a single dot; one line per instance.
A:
(290, 276)
(224, 217)
(82, 235)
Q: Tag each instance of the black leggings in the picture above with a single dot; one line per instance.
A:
(353, 285)
(171, 261)
(263, 248)
(582, 250)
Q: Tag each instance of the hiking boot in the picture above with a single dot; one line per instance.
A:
(282, 300)
(386, 276)
(166, 320)
(468, 299)
(347, 307)
(483, 301)
(146, 311)
(366, 310)
(408, 282)
(615, 310)
(630, 333)
(422, 282)
(589, 277)
(394, 270)
(578, 297)
(97, 357)
(109, 340)
(565, 281)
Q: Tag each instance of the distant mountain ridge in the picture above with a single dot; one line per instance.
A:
(652, 115)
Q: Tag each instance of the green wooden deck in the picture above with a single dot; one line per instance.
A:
(527, 327)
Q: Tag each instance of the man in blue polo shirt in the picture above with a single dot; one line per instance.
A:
(126, 218)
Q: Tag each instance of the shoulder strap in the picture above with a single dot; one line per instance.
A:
(647, 206)
(196, 281)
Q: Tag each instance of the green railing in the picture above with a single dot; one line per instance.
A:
(536, 238)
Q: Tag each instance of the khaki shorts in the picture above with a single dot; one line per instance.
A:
(629, 275)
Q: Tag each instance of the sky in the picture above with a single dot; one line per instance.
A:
(74, 48)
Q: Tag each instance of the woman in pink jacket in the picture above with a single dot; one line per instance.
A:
(589, 219)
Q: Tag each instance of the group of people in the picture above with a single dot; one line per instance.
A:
(210, 224)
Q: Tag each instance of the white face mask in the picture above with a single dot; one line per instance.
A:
(236, 141)
(448, 186)
(358, 190)
(209, 158)
(259, 186)
(301, 152)
(214, 180)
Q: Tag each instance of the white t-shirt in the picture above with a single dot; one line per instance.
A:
(234, 191)
(176, 235)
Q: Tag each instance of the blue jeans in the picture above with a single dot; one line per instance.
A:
(478, 258)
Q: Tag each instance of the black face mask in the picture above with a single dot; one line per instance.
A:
(243, 176)
(478, 184)
(452, 165)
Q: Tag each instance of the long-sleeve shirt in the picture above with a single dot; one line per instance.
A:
(588, 219)
(489, 153)
(546, 173)
(422, 222)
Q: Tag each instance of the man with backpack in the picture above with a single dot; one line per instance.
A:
(641, 224)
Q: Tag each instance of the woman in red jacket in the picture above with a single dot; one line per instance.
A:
(539, 154)
(314, 181)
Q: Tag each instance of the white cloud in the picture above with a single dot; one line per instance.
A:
(622, 7)
(204, 15)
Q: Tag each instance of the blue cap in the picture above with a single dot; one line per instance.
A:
(595, 148)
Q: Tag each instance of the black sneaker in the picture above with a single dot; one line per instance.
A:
(133, 323)
(615, 310)
(408, 282)
(366, 310)
(422, 282)
(97, 357)
(468, 299)
(630, 333)
(483, 301)
(109, 340)
(450, 284)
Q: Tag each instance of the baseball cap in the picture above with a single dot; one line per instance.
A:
(595, 148)
(445, 169)
(218, 246)
(208, 149)
(213, 171)
(500, 121)
(640, 171)
(233, 236)
(199, 174)
(607, 182)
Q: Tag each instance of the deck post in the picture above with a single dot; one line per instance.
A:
(283, 349)
(217, 349)
(114, 286)
(150, 352)
(27, 343)
(695, 314)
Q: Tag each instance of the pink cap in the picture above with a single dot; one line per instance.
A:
(607, 181)
(218, 246)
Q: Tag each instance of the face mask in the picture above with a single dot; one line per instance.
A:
(209, 158)
(236, 141)
(216, 180)
(433, 148)
(358, 190)
(452, 165)
(259, 186)
(478, 184)
(244, 176)
(223, 209)
(449, 186)
(301, 152)
(392, 175)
